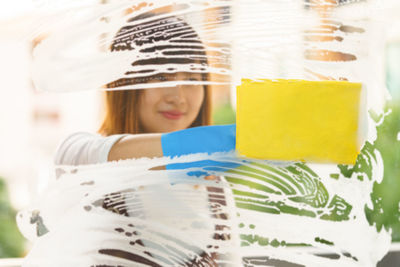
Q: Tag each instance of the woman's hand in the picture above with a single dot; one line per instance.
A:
(203, 139)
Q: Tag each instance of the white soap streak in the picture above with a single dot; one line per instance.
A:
(173, 217)
(270, 39)
(75, 52)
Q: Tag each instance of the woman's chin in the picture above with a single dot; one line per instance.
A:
(172, 127)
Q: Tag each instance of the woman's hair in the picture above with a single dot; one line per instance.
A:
(183, 47)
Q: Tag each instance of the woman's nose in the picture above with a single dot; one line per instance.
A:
(175, 95)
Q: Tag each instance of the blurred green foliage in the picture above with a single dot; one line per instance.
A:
(386, 195)
(224, 114)
(11, 241)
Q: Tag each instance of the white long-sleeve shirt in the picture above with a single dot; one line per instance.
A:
(85, 148)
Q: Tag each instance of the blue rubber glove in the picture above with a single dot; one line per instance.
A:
(203, 139)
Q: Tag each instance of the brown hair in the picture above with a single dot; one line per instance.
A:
(121, 106)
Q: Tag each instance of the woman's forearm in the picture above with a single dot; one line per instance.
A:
(136, 146)
(204, 139)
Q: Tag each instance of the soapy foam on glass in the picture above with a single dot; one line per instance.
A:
(221, 209)
(228, 210)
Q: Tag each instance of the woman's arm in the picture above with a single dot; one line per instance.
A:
(205, 139)
(84, 148)
(136, 146)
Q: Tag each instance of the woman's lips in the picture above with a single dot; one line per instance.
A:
(172, 115)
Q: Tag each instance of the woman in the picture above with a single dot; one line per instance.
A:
(152, 122)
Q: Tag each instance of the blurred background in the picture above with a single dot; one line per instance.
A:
(33, 123)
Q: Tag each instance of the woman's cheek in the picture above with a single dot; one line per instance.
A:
(199, 99)
(151, 102)
(195, 101)
(149, 117)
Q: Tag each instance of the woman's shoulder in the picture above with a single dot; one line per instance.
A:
(81, 148)
(68, 148)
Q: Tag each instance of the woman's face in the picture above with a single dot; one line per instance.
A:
(171, 108)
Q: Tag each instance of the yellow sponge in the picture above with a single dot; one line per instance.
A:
(315, 121)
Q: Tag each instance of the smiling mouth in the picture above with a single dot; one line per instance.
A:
(172, 115)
